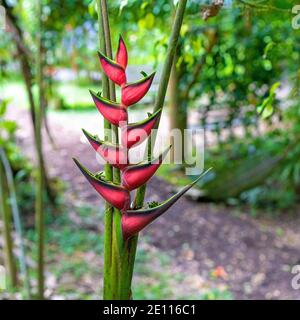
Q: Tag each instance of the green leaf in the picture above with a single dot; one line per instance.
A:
(123, 4)
(3, 107)
(274, 87)
(268, 48)
(268, 111)
(9, 125)
(92, 8)
(144, 5)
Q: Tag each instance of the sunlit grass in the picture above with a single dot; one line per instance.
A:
(15, 92)
(70, 95)
(76, 96)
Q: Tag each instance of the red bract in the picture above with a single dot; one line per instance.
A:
(122, 56)
(133, 221)
(136, 175)
(114, 154)
(132, 175)
(113, 70)
(135, 133)
(116, 195)
(113, 112)
(134, 92)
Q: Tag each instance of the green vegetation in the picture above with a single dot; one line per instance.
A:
(235, 74)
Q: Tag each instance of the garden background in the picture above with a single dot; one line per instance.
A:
(236, 74)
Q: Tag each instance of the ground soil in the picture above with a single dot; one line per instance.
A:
(257, 254)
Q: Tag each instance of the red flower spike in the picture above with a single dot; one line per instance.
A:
(113, 70)
(113, 154)
(136, 175)
(122, 56)
(112, 111)
(135, 133)
(134, 92)
(116, 195)
(133, 221)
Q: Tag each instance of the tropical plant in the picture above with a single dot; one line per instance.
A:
(126, 219)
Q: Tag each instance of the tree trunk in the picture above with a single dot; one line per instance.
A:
(22, 52)
(39, 196)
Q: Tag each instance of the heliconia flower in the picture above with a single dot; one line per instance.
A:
(116, 195)
(136, 175)
(135, 133)
(116, 155)
(134, 92)
(122, 56)
(133, 221)
(113, 70)
(112, 111)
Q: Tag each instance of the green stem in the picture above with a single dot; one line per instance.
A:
(8, 242)
(39, 210)
(131, 244)
(159, 103)
(117, 246)
(166, 72)
(108, 219)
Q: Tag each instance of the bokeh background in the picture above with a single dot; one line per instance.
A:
(236, 75)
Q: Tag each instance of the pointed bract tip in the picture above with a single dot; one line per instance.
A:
(101, 55)
(201, 176)
(87, 134)
(151, 75)
(121, 38)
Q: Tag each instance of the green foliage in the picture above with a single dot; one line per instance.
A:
(266, 109)
(279, 189)
(19, 163)
(21, 167)
(217, 294)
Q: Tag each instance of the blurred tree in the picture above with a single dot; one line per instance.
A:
(20, 34)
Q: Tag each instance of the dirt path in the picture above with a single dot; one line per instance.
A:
(257, 255)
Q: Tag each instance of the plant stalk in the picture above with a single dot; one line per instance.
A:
(8, 241)
(40, 183)
(117, 247)
(108, 219)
